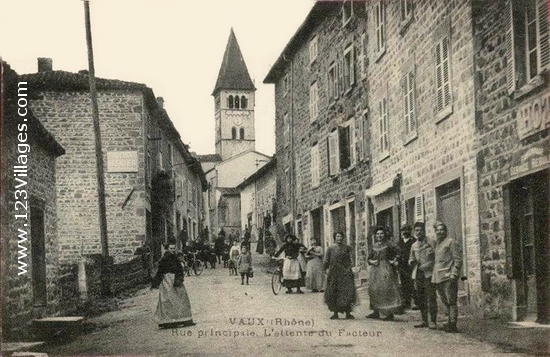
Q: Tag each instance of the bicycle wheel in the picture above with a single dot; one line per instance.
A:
(276, 282)
(198, 267)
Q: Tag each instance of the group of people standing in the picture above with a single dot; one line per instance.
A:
(413, 268)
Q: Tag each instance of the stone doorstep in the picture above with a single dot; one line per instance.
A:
(54, 325)
(29, 354)
(19, 346)
(527, 324)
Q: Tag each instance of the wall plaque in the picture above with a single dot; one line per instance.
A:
(122, 161)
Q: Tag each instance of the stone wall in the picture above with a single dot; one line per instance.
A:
(68, 116)
(18, 303)
(497, 120)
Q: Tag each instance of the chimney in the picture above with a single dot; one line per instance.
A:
(45, 64)
(160, 102)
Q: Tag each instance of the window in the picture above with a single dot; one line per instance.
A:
(347, 12)
(241, 132)
(244, 102)
(361, 59)
(230, 102)
(383, 140)
(527, 43)
(313, 101)
(443, 77)
(315, 170)
(313, 44)
(406, 11)
(237, 102)
(346, 144)
(159, 157)
(233, 133)
(333, 157)
(333, 81)
(349, 68)
(409, 104)
(286, 130)
(412, 210)
(380, 23)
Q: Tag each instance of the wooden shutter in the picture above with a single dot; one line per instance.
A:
(359, 138)
(326, 227)
(446, 71)
(510, 44)
(406, 109)
(352, 143)
(403, 212)
(341, 77)
(334, 160)
(542, 7)
(411, 99)
(419, 208)
(362, 59)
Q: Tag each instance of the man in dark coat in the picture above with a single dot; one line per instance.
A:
(404, 244)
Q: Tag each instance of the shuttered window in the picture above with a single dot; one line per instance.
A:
(527, 41)
(333, 154)
(380, 22)
(313, 101)
(333, 90)
(409, 103)
(383, 139)
(361, 59)
(443, 74)
(349, 68)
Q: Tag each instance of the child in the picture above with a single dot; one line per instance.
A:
(234, 258)
(244, 264)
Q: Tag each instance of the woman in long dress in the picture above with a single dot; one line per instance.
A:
(173, 307)
(383, 287)
(340, 294)
(315, 275)
(292, 271)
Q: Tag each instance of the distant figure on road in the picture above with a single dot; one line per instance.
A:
(270, 244)
(383, 288)
(218, 247)
(340, 294)
(173, 307)
(260, 244)
(315, 275)
(292, 273)
(234, 253)
(244, 264)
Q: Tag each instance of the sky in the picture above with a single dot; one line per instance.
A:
(173, 46)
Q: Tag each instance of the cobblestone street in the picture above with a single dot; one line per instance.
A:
(250, 321)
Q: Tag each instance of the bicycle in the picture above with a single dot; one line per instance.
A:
(277, 277)
(193, 263)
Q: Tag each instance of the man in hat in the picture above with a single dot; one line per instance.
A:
(404, 244)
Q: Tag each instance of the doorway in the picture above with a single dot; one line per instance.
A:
(449, 211)
(317, 224)
(529, 200)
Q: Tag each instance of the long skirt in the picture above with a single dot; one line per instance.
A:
(292, 274)
(173, 307)
(315, 276)
(384, 288)
(340, 293)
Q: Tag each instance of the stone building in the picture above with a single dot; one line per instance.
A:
(144, 159)
(321, 124)
(512, 94)
(375, 123)
(258, 194)
(235, 158)
(30, 245)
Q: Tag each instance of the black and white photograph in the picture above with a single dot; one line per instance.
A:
(275, 178)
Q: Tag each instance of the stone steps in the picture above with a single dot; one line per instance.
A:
(57, 327)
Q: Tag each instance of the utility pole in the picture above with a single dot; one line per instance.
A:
(105, 266)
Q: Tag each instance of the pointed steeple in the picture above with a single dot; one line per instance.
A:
(233, 72)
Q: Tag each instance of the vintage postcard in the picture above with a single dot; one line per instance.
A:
(273, 178)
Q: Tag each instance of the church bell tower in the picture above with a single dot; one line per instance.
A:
(234, 104)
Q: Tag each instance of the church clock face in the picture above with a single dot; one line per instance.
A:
(238, 120)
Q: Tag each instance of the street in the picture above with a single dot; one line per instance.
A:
(250, 321)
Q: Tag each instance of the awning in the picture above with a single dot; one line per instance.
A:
(380, 188)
